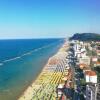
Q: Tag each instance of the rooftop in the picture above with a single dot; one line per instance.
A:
(90, 73)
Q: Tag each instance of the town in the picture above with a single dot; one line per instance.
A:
(84, 62)
(71, 74)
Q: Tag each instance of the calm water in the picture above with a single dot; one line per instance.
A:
(21, 61)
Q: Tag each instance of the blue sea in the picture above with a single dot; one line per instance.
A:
(21, 61)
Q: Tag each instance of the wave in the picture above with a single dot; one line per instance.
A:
(1, 64)
(11, 59)
(28, 53)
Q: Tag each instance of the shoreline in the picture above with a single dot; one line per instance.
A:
(29, 89)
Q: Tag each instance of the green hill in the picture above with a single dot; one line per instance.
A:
(86, 37)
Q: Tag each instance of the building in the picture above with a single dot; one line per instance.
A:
(97, 64)
(91, 87)
(91, 92)
(82, 66)
(98, 92)
(85, 60)
(98, 50)
(90, 77)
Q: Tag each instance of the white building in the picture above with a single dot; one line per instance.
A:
(94, 59)
(85, 60)
(90, 77)
(80, 50)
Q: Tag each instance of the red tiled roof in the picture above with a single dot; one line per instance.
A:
(90, 73)
(82, 65)
(97, 62)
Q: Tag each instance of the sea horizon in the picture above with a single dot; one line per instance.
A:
(32, 38)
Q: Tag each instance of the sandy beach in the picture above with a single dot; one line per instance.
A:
(44, 87)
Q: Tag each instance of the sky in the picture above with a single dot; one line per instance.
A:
(48, 18)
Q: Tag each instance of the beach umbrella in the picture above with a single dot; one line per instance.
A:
(65, 78)
(60, 86)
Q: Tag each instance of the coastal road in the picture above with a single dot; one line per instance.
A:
(72, 64)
